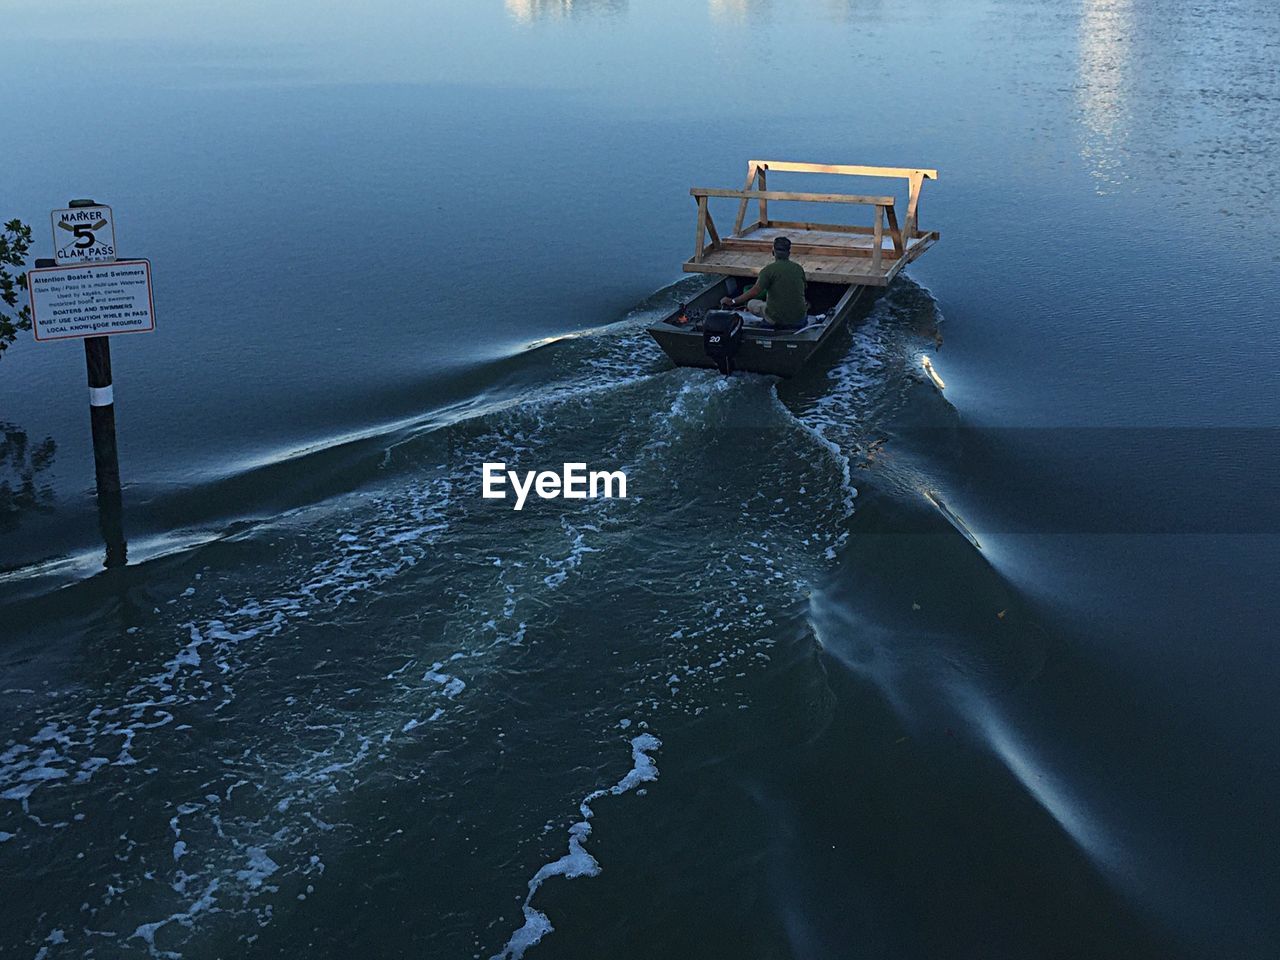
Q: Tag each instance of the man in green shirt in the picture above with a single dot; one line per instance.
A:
(778, 295)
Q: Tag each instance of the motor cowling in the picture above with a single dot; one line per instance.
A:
(721, 338)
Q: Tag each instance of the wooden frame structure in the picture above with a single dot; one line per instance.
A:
(830, 253)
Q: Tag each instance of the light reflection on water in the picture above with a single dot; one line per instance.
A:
(737, 10)
(1106, 38)
(527, 11)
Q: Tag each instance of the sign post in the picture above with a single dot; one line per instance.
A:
(106, 461)
(86, 293)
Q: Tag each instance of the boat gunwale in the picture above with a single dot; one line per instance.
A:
(810, 341)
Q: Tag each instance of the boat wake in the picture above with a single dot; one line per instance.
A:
(256, 696)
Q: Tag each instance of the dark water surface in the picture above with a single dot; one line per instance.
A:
(860, 669)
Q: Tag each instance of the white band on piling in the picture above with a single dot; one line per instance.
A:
(100, 397)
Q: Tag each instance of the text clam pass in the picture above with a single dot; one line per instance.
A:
(84, 234)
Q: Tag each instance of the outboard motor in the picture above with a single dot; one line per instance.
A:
(721, 337)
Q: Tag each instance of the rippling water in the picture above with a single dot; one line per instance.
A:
(860, 669)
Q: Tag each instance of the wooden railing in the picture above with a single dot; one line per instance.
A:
(756, 188)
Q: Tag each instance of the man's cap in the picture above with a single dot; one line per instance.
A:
(781, 244)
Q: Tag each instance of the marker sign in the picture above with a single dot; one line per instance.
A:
(91, 300)
(84, 235)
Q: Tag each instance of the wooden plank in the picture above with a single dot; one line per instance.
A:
(820, 236)
(745, 244)
(789, 195)
(711, 229)
(700, 236)
(877, 240)
(899, 244)
(828, 246)
(832, 227)
(913, 206)
(824, 270)
(690, 266)
(785, 225)
(764, 188)
(783, 166)
(742, 207)
(919, 246)
(843, 237)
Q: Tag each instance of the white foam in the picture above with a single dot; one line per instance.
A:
(578, 549)
(260, 868)
(147, 931)
(399, 670)
(452, 686)
(577, 862)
